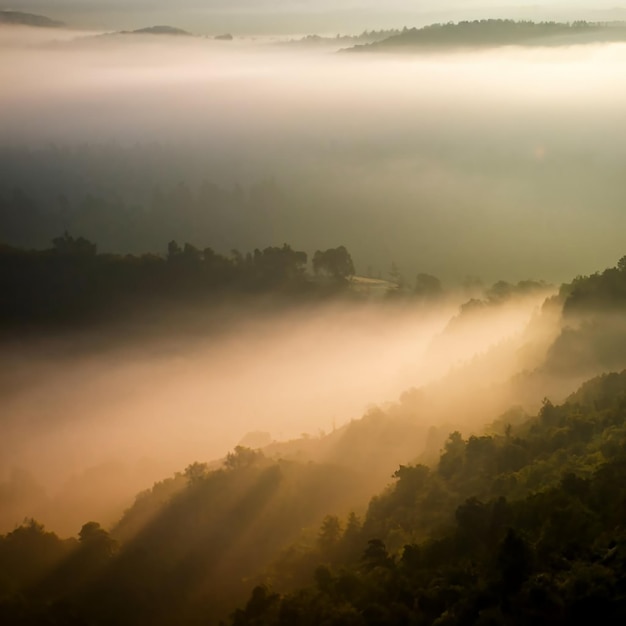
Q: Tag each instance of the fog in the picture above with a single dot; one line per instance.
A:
(170, 88)
(500, 164)
(436, 162)
(92, 420)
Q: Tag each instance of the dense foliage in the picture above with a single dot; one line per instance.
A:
(524, 527)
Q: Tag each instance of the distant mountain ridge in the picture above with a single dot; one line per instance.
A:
(496, 32)
(159, 30)
(366, 37)
(28, 19)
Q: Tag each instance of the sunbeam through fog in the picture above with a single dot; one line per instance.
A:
(174, 399)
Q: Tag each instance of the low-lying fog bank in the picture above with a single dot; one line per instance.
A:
(499, 162)
(492, 164)
(91, 428)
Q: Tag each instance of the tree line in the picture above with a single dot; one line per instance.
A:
(71, 282)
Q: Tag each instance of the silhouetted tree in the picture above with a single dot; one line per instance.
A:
(334, 262)
(70, 246)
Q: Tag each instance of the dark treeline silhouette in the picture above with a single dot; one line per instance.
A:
(367, 36)
(71, 282)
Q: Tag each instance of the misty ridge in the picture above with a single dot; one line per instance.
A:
(291, 336)
(494, 33)
(28, 19)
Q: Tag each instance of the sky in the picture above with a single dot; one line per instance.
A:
(304, 16)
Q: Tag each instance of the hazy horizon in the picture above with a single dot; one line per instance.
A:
(280, 17)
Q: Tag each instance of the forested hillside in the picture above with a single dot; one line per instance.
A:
(523, 525)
